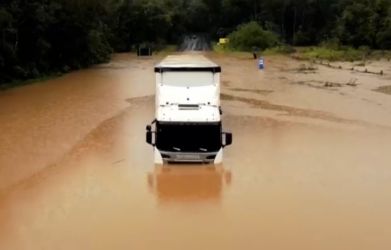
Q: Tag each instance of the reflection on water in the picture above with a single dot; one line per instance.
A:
(189, 184)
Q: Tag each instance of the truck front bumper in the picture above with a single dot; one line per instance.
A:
(181, 157)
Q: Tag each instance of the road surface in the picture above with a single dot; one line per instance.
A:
(310, 167)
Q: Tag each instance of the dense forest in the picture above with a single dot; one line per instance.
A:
(40, 37)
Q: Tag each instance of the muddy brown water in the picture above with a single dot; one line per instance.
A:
(310, 168)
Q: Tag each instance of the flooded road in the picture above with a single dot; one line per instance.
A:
(309, 167)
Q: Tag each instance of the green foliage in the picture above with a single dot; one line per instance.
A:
(365, 22)
(301, 38)
(383, 37)
(250, 35)
(282, 49)
(42, 37)
(221, 48)
(99, 49)
(333, 44)
(324, 53)
(356, 24)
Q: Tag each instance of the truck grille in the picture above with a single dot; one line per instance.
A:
(191, 157)
(188, 107)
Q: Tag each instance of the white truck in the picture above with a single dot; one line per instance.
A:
(187, 125)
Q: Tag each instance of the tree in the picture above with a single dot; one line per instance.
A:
(39, 37)
(251, 35)
(8, 41)
(383, 37)
(356, 26)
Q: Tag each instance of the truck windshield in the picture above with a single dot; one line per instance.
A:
(188, 137)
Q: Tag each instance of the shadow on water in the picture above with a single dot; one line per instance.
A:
(189, 184)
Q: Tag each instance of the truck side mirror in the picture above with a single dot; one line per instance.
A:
(149, 128)
(149, 137)
(227, 139)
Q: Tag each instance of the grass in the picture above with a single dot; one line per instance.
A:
(341, 54)
(221, 48)
(381, 54)
(321, 52)
(279, 50)
(226, 50)
(329, 54)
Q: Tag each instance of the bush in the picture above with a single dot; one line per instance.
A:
(384, 36)
(99, 49)
(342, 54)
(302, 38)
(250, 35)
(332, 43)
(282, 49)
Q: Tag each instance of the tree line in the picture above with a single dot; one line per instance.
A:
(39, 37)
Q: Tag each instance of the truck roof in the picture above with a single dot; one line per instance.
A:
(187, 63)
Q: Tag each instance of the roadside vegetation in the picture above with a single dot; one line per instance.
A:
(329, 54)
(41, 37)
(344, 53)
(281, 49)
(250, 36)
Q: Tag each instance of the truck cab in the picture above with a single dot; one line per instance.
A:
(187, 125)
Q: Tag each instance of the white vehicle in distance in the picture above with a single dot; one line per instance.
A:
(187, 125)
